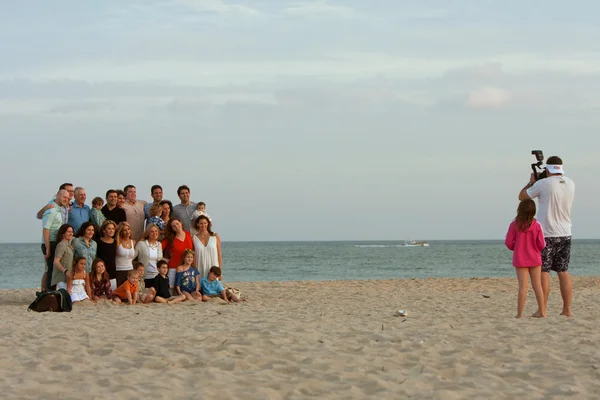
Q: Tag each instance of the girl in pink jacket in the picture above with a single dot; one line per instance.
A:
(526, 239)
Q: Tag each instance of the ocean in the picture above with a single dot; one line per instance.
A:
(21, 264)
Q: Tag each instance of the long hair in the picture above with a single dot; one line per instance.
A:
(170, 207)
(76, 261)
(169, 233)
(118, 234)
(185, 253)
(94, 282)
(525, 214)
(197, 224)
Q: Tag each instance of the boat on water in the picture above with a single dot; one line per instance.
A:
(415, 243)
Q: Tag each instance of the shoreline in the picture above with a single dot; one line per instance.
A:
(296, 339)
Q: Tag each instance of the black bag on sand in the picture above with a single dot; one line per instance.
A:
(54, 301)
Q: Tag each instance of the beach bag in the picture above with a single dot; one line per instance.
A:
(53, 301)
(235, 291)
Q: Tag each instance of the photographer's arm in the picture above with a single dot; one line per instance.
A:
(523, 193)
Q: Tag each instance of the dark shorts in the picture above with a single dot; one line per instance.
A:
(557, 254)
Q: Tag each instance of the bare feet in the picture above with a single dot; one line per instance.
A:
(566, 313)
(538, 314)
(519, 316)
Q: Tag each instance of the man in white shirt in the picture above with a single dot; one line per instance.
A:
(555, 195)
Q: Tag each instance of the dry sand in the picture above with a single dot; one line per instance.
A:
(292, 340)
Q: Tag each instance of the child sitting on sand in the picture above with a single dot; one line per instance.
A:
(212, 287)
(161, 284)
(96, 216)
(187, 280)
(78, 283)
(144, 295)
(526, 239)
(128, 291)
(100, 283)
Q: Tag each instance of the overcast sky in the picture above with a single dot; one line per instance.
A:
(302, 120)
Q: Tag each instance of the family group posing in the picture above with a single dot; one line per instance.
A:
(543, 245)
(131, 250)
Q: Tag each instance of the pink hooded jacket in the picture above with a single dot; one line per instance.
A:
(527, 246)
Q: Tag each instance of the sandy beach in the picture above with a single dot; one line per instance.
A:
(292, 340)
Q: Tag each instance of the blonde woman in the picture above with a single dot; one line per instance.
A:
(126, 252)
(149, 252)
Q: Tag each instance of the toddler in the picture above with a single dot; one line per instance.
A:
(96, 216)
(128, 291)
(144, 295)
(155, 212)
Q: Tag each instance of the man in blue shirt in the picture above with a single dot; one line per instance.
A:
(80, 212)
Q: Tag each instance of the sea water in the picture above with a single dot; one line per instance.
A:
(21, 265)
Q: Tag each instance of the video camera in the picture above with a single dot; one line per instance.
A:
(539, 156)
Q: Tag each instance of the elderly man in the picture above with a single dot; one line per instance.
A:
(134, 209)
(110, 209)
(185, 209)
(80, 212)
(52, 220)
(555, 195)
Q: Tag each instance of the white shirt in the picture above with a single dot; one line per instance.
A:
(555, 199)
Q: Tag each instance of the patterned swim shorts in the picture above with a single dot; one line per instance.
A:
(557, 254)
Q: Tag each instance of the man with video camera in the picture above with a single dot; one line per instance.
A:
(555, 194)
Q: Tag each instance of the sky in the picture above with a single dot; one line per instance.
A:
(301, 120)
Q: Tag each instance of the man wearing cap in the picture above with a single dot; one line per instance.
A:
(555, 196)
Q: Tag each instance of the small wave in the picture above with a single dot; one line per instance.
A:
(377, 245)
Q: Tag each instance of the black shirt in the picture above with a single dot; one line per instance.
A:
(116, 214)
(162, 286)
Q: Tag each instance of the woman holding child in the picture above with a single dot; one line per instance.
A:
(207, 245)
(149, 251)
(126, 252)
(84, 246)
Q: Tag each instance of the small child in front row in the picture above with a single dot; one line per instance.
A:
(526, 239)
(144, 295)
(128, 291)
(96, 216)
(212, 287)
(100, 283)
(161, 284)
(187, 281)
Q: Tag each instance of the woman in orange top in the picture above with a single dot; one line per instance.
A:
(176, 242)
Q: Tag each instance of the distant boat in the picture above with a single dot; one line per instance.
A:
(415, 243)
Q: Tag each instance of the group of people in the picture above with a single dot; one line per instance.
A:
(543, 245)
(130, 250)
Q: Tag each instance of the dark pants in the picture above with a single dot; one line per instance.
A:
(121, 277)
(49, 263)
(149, 283)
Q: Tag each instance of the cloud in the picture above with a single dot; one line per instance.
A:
(488, 97)
(320, 8)
(220, 7)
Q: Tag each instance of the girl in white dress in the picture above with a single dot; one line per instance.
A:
(207, 246)
(78, 283)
